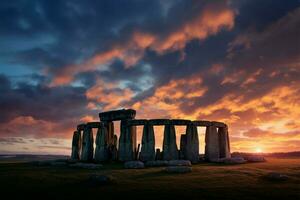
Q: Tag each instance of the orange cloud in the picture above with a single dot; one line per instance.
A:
(210, 21)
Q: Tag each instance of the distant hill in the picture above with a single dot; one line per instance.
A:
(295, 154)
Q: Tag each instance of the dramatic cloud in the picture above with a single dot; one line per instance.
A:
(63, 62)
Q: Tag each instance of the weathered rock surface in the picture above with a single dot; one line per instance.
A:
(76, 145)
(148, 144)
(275, 176)
(170, 150)
(211, 143)
(192, 144)
(178, 169)
(87, 145)
(134, 165)
(182, 146)
(101, 151)
(156, 163)
(96, 179)
(86, 166)
(234, 160)
(255, 159)
(127, 142)
(224, 145)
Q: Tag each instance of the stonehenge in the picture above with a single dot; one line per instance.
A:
(108, 147)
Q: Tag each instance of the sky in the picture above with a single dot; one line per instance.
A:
(62, 62)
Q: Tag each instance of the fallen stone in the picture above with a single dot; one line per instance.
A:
(156, 163)
(86, 166)
(96, 179)
(134, 165)
(275, 176)
(234, 160)
(178, 169)
(255, 159)
(180, 163)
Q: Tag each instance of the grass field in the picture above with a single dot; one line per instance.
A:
(207, 181)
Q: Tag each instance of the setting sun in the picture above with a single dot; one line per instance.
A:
(258, 150)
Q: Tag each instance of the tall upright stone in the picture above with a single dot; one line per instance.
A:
(211, 143)
(192, 144)
(76, 145)
(101, 151)
(148, 143)
(110, 131)
(182, 146)
(114, 149)
(87, 144)
(170, 150)
(127, 142)
(224, 142)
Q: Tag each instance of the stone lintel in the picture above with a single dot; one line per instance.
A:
(202, 123)
(94, 124)
(81, 127)
(218, 124)
(180, 122)
(117, 115)
(159, 122)
(136, 122)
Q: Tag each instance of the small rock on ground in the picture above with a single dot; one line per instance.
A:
(134, 165)
(96, 179)
(255, 159)
(180, 163)
(275, 176)
(178, 169)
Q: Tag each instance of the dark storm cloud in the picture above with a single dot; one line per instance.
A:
(40, 101)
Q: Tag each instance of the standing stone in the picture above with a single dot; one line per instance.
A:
(114, 149)
(224, 142)
(211, 143)
(170, 150)
(158, 155)
(76, 144)
(87, 144)
(182, 146)
(192, 144)
(148, 144)
(127, 142)
(101, 152)
(110, 131)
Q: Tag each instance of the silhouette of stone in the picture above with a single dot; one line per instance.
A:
(217, 147)
(87, 144)
(182, 146)
(211, 143)
(101, 151)
(224, 142)
(192, 144)
(127, 142)
(158, 155)
(123, 114)
(170, 151)
(76, 145)
(96, 179)
(148, 144)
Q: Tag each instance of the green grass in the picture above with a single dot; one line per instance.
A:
(207, 181)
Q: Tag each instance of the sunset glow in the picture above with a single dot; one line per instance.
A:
(232, 61)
